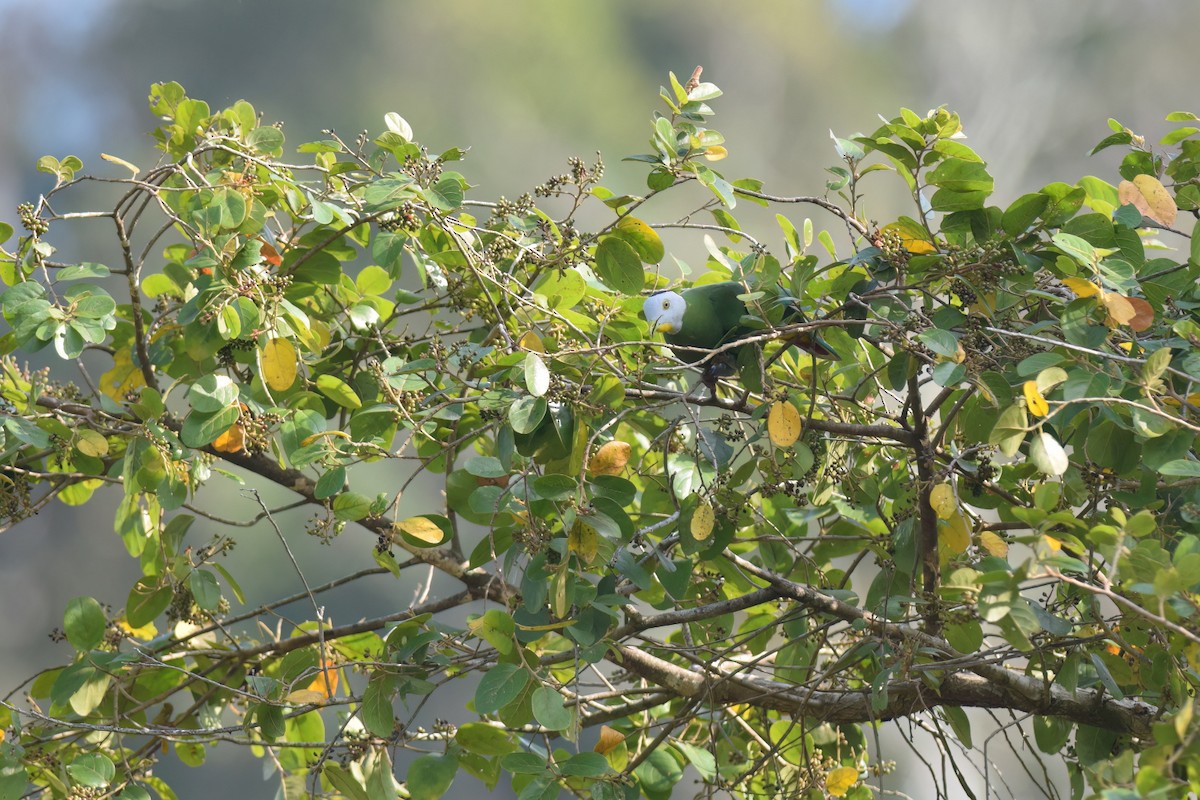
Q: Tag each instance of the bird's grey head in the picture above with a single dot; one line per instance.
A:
(664, 311)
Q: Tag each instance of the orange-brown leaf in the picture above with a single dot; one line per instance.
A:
(232, 440)
(610, 459)
(609, 739)
(1143, 314)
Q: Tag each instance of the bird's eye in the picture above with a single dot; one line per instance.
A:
(666, 304)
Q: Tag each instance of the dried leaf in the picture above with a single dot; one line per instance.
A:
(1161, 205)
(715, 152)
(610, 459)
(609, 739)
(1120, 310)
(1143, 316)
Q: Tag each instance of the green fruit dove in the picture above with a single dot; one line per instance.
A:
(706, 317)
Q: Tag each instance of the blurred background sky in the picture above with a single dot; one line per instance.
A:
(526, 84)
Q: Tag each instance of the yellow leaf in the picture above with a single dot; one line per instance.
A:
(123, 378)
(305, 697)
(715, 152)
(941, 500)
(422, 529)
(278, 364)
(993, 543)
(1034, 401)
(91, 443)
(610, 459)
(325, 683)
(1120, 310)
(144, 633)
(609, 739)
(703, 520)
(913, 237)
(784, 424)
(955, 536)
(120, 162)
(1183, 721)
(531, 341)
(232, 440)
(1081, 286)
(1053, 544)
(583, 540)
(1161, 205)
(838, 781)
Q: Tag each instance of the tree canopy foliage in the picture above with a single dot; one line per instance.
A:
(987, 500)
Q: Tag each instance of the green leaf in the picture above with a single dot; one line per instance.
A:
(484, 739)
(1181, 468)
(527, 413)
(642, 238)
(1022, 212)
(338, 391)
(388, 193)
(205, 589)
(588, 765)
(959, 724)
(93, 769)
(147, 600)
(959, 175)
(944, 343)
(377, 713)
(537, 375)
(660, 772)
(201, 429)
(446, 194)
(618, 265)
(549, 711)
(563, 289)
(1077, 248)
(212, 393)
(84, 623)
(351, 506)
(13, 778)
(1051, 733)
(267, 139)
(501, 685)
(344, 781)
(485, 467)
(496, 627)
(1009, 431)
(429, 777)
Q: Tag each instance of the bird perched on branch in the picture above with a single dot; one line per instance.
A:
(705, 318)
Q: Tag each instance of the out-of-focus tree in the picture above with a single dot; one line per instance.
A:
(951, 467)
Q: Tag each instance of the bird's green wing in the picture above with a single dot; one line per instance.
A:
(713, 315)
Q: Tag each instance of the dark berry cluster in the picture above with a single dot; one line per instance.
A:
(579, 174)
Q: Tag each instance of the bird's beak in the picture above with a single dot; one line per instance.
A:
(665, 327)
